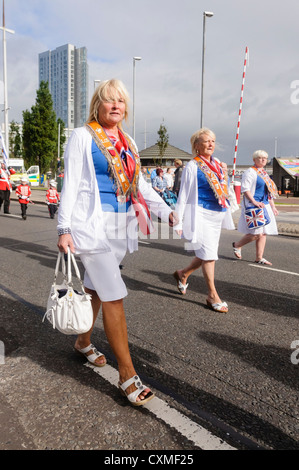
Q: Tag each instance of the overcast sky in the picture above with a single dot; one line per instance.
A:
(167, 34)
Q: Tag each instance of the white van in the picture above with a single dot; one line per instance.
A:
(18, 165)
(33, 175)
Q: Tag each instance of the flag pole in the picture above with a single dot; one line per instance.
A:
(239, 117)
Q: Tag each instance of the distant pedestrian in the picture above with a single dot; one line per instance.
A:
(159, 183)
(177, 175)
(259, 190)
(168, 176)
(154, 174)
(52, 199)
(5, 187)
(23, 192)
(144, 173)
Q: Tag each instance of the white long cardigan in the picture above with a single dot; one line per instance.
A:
(80, 204)
(187, 204)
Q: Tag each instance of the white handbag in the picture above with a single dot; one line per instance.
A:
(68, 310)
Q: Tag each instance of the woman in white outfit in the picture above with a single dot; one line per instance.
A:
(258, 190)
(203, 210)
(103, 202)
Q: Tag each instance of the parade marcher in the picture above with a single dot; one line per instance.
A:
(203, 210)
(52, 199)
(103, 199)
(5, 187)
(258, 190)
(23, 192)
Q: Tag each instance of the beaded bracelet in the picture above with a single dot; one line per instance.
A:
(63, 231)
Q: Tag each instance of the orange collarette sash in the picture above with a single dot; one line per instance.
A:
(125, 186)
(220, 188)
(271, 186)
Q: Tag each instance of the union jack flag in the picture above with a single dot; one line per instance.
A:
(256, 217)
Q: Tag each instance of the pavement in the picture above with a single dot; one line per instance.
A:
(287, 220)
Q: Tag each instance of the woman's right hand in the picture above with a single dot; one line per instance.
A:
(251, 199)
(258, 204)
(65, 241)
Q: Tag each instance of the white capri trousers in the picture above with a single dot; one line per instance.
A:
(102, 272)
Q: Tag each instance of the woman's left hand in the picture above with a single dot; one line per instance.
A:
(173, 219)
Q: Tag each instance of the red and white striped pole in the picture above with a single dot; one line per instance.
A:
(240, 111)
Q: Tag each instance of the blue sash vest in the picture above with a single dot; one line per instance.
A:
(206, 197)
(261, 191)
(105, 184)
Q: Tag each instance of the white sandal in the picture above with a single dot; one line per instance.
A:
(182, 288)
(237, 251)
(92, 357)
(132, 397)
(218, 306)
(264, 262)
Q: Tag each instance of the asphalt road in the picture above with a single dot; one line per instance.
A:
(234, 374)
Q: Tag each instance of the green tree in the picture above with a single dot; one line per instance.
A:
(15, 141)
(40, 131)
(162, 142)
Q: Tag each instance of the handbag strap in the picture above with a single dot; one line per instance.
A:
(67, 275)
(60, 259)
(71, 261)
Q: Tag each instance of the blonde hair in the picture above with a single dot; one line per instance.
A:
(198, 135)
(108, 90)
(178, 161)
(259, 153)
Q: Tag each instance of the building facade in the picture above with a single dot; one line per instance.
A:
(66, 71)
(286, 175)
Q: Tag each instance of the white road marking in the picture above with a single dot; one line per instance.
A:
(13, 216)
(144, 243)
(273, 269)
(200, 436)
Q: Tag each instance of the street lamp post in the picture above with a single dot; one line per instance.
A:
(208, 14)
(134, 60)
(6, 108)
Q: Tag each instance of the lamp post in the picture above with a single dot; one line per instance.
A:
(6, 108)
(96, 83)
(206, 14)
(134, 60)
